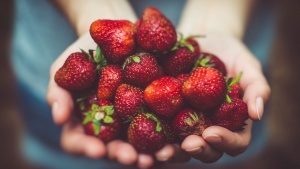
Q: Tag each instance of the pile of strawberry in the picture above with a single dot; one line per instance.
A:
(145, 85)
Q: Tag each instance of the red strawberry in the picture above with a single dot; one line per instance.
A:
(110, 79)
(164, 96)
(155, 34)
(116, 38)
(101, 121)
(230, 115)
(183, 77)
(78, 73)
(128, 101)
(234, 89)
(205, 88)
(182, 57)
(140, 69)
(146, 133)
(188, 122)
(210, 60)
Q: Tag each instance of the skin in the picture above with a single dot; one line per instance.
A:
(223, 38)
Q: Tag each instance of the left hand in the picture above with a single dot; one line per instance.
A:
(237, 58)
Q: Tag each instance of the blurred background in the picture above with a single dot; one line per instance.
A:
(282, 150)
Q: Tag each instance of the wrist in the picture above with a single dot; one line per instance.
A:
(81, 14)
(215, 17)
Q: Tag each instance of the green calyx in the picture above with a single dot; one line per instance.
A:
(97, 58)
(192, 119)
(130, 59)
(203, 61)
(182, 42)
(231, 82)
(158, 123)
(98, 115)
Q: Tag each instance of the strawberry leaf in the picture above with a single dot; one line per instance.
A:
(237, 79)
(204, 61)
(96, 129)
(95, 121)
(152, 117)
(108, 109)
(90, 57)
(108, 119)
(95, 106)
(190, 47)
(99, 55)
(194, 116)
(136, 59)
(228, 99)
(158, 127)
(86, 120)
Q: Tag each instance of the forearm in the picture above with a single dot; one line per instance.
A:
(218, 16)
(82, 13)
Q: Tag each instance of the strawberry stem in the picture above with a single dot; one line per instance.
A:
(228, 100)
(158, 124)
(234, 81)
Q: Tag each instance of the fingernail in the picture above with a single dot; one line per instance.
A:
(259, 107)
(214, 139)
(195, 150)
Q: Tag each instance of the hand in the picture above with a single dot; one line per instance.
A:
(73, 138)
(237, 58)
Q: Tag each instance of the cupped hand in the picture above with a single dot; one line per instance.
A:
(73, 138)
(217, 140)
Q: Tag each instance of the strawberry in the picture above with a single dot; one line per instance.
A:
(230, 115)
(188, 122)
(210, 60)
(140, 69)
(155, 34)
(78, 73)
(101, 121)
(146, 133)
(183, 77)
(234, 90)
(110, 78)
(128, 101)
(164, 96)
(182, 57)
(116, 38)
(205, 88)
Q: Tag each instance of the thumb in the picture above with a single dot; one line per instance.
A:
(60, 101)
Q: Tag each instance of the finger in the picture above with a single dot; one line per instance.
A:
(233, 143)
(199, 149)
(58, 98)
(61, 103)
(172, 153)
(255, 85)
(122, 152)
(75, 141)
(145, 161)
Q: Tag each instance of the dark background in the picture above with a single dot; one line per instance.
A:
(282, 150)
